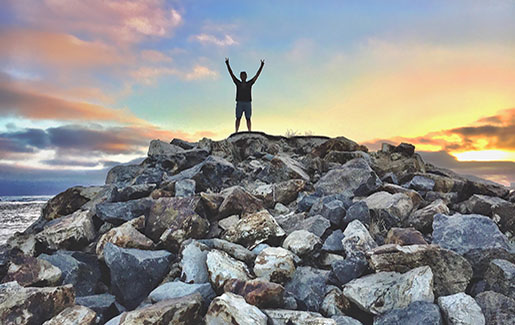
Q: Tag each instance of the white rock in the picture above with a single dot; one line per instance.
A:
(302, 242)
(398, 204)
(230, 308)
(76, 315)
(461, 309)
(193, 263)
(357, 239)
(222, 267)
(383, 291)
(68, 232)
(286, 317)
(274, 264)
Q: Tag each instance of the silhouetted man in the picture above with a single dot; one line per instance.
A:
(243, 94)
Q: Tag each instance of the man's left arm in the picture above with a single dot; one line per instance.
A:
(253, 80)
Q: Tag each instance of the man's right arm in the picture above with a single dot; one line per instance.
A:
(230, 71)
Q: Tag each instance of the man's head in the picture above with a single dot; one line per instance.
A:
(243, 76)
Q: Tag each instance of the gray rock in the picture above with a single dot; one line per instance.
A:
(398, 205)
(316, 225)
(357, 240)
(120, 212)
(418, 312)
(348, 269)
(193, 262)
(334, 303)
(305, 201)
(497, 308)
(319, 203)
(302, 243)
(422, 219)
(67, 202)
(421, 183)
(30, 271)
(177, 289)
(185, 187)
(286, 317)
(230, 308)
(384, 291)
(222, 267)
(75, 315)
(334, 211)
(500, 277)
(308, 286)
(480, 259)
(461, 308)
(79, 269)
(228, 222)
(237, 251)
(274, 264)
(354, 178)
(345, 320)
(333, 243)
(238, 201)
(501, 211)
(282, 168)
(133, 192)
(135, 272)
(462, 233)
(358, 211)
(123, 175)
(291, 221)
(183, 144)
(103, 305)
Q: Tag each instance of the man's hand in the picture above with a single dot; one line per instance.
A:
(263, 62)
(227, 60)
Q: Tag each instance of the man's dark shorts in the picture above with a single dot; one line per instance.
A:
(244, 107)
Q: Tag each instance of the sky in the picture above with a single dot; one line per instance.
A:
(86, 84)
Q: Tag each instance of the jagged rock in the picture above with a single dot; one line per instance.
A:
(183, 144)
(133, 192)
(19, 305)
(193, 262)
(422, 219)
(348, 269)
(501, 211)
(500, 277)
(286, 317)
(308, 286)
(421, 183)
(395, 162)
(281, 208)
(340, 144)
(334, 211)
(342, 157)
(462, 233)
(415, 197)
(70, 232)
(358, 211)
(328, 259)
(185, 187)
(384, 291)
(179, 311)
(334, 303)
(254, 229)
(451, 272)
(177, 289)
(333, 243)
(69, 201)
(357, 240)
(173, 220)
(120, 212)
(287, 191)
(79, 269)
(237, 251)
(496, 308)
(291, 221)
(404, 236)
(476, 185)
(228, 222)
(353, 178)
(282, 168)
(76, 315)
(397, 205)
(274, 264)
(103, 305)
(230, 308)
(211, 203)
(123, 175)
(305, 201)
(418, 312)
(135, 272)
(461, 308)
(316, 225)
(318, 205)
(480, 259)
(29, 271)
(125, 236)
(222, 267)
(257, 292)
(159, 148)
(213, 173)
(25, 242)
(238, 201)
(302, 243)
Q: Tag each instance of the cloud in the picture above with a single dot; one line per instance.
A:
(117, 21)
(149, 75)
(204, 38)
(155, 56)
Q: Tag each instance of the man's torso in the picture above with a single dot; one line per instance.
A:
(243, 91)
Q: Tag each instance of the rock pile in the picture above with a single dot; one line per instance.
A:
(260, 229)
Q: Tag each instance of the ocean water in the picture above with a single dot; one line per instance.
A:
(19, 212)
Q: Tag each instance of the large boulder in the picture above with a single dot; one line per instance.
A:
(462, 233)
(230, 308)
(222, 267)
(497, 308)
(19, 305)
(274, 264)
(76, 315)
(353, 178)
(452, 272)
(461, 309)
(120, 212)
(30, 271)
(135, 272)
(133, 192)
(254, 229)
(70, 232)
(79, 269)
(158, 148)
(501, 211)
(123, 175)
(381, 292)
(282, 168)
(418, 312)
(308, 286)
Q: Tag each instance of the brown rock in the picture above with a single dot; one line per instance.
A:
(422, 219)
(404, 236)
(254, 229)
(257, 292)
(337, 144)
(67, 202)
(76, 315)
(31, 271)
(287, 191)
(212, 202)
(238, 201)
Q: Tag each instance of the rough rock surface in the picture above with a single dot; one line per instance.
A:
(500, 277)
(422, 219)
(308, 286)
(404, 236)
(76, 315)
(384, 291)
(302, 242)
(29, 271)
(222, 267)
(177, 289)
(254, 229)
(357, 240)
(497, 308)
(461, 308)
(230, 308)
(285, 317)
(69, 232)
(418, 312)
(257, 292)
(274, 264)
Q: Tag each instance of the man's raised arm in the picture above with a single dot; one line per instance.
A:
(259, 72)
(230, 71)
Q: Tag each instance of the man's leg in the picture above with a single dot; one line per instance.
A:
(237, 124)
(249, 124)
(248, 114)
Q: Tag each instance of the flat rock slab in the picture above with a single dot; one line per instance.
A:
(384, 291)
